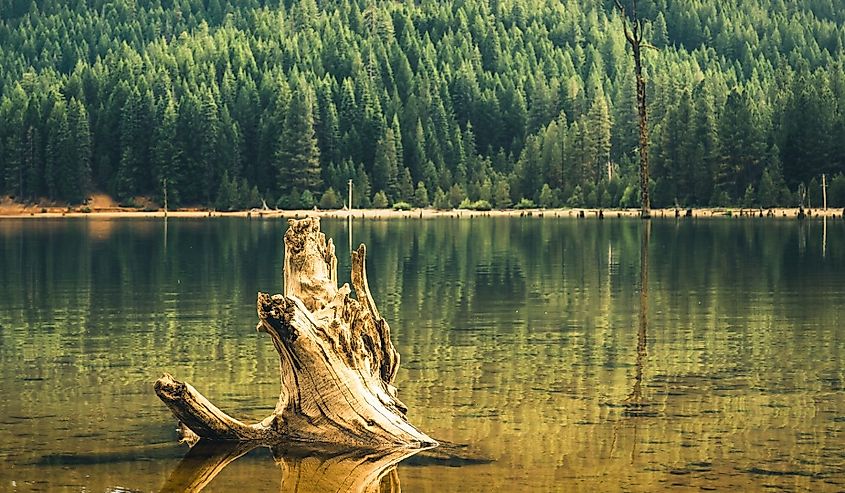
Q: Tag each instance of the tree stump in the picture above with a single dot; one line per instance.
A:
(337, 362)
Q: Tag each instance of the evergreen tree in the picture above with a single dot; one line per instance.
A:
(406, 186)
(166, 154)
(529, 169)
(330, 200)
(386, 167)
(58, 141)
(362, 189)
(77, 182)
(227, 194)
(502, 194)
(707, 147)
(741, 144)
(547, 197)
(209, 138)
(598, 133)
(12, 143)
(298, 157)
(456, 195)
(421, 195)
(767, 194)
(133, 155)
(380, 200)
(441, 200)
(532, 93)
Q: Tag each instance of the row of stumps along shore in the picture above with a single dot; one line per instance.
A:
(601, 213)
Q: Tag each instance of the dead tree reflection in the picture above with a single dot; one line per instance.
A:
(635, 403)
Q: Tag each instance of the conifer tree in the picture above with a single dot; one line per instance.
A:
(598, 137)
(298, 157)
(58, 141)
(77, 182)
(421, 195)
(167, 154)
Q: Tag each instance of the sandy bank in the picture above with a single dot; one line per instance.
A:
(21, 211)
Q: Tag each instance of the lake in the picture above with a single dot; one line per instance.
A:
(566, 354)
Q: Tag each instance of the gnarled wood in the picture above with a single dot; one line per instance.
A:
(337, 366)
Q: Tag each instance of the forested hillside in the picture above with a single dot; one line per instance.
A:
(428, 102)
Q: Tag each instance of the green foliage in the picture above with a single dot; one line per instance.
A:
(456, 196)
(525, 204)
(123, 99)
(591, 197)
(721, 199)
(548, 198)
(233, 195)
(298, 157)
(630, 198)
(330, 200)
(253, 197)
(307, 200)
(421, 195)
(481, 205)
(401, 206)
(292, 200)
(749, 199)
(386, 166)
(478, 205)
(836, 191)
(576, 199)
(664, 193)
(502, 195)
(227, 194)
(485, 191)
(380, 200)
(768, 194)
(441, 200)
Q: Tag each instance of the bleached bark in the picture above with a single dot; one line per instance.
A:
(337, 361)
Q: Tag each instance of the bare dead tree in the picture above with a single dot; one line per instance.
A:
(634, 35)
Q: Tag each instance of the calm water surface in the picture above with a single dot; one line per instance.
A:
(567, 356)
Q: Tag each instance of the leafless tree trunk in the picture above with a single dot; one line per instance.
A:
(634, 35)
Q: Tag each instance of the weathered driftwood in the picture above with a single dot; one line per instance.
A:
(337, 361)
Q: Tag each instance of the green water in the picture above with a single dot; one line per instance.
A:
(528, 339)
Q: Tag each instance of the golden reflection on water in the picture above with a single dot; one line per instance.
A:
(301, 470)
(693, 355)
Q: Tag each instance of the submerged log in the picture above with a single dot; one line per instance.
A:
(337, 361)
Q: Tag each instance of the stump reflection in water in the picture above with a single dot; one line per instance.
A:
(302, 470)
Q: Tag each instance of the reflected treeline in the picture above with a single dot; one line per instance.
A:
(528, 331)
(515, 335)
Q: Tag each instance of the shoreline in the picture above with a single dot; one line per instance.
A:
(33, 212)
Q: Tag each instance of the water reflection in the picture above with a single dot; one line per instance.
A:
(302, 470)
(529, 338)
(634, 401)
(824, 237)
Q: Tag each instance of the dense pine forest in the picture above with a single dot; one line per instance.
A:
(226, 103)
